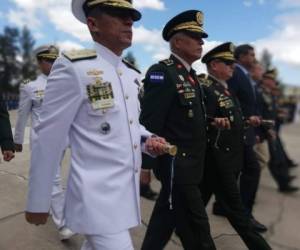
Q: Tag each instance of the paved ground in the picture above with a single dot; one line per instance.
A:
(280, 212)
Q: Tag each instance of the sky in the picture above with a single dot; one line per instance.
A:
(265, 24)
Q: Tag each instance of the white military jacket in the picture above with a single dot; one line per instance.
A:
(30, 102)
(102, 194)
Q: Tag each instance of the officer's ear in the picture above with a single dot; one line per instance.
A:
(92, 24)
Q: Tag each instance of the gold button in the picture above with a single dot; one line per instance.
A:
(183, 154)
(135, 146)
(131, 121)
(126, 97)
(119, 72)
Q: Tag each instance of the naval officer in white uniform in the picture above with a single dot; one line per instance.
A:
(92, 97)
(30, 103)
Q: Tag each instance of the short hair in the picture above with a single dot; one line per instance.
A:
(94, 12)
(242, 50)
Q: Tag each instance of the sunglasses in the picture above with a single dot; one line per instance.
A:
(120, 13)
(48, 60)
(226, 62)
(194, 35)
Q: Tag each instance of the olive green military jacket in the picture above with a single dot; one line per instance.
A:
(220, 102)
(173, 107)
(6, 139)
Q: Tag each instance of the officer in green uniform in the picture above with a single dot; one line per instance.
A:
(224, 155)
(6, 139)
(278, 163)
(173, 107)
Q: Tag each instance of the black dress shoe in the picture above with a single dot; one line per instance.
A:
(292, 164)
(291, 177)
(218, 209)
(288, 189)
(258, 227)
(147, 192)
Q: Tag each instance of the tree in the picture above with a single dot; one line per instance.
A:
(16, 58)
(8, 54)
(131, 59)
(27, 42)
(266, 59)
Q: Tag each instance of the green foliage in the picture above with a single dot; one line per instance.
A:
(131, 59)
(16, 62)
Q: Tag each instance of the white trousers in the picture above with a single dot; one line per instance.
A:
(119, 241)
(58, 199)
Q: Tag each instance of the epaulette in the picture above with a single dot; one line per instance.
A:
(167, 62)
(25, 82)
(75, 55)
(203, 79)
(131, 66)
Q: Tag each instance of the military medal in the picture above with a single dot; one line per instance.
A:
(227, 92)
(190, 113)
(105, 128)
(94, 72)
(181, 77)
(100, 94)
(192, 80)
(39, 94)
(189, 95)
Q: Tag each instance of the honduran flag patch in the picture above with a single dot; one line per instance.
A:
(157, 77)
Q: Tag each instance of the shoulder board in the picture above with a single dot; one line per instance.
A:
(204, 80)
(167, 62)
(25, 82)
(75, 55)
(131, 66)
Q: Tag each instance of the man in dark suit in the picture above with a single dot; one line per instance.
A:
(173, 107)
(224, 155)
(243, 87)
(6, 139)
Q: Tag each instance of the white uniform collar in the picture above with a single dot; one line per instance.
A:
(107, 54)
(43, 76)
(222, 82)
(185, 64)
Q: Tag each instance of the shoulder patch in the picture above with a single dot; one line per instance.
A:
(156, 77)
(76, 55)
(131, 66)
(204, 80)
(167, 62)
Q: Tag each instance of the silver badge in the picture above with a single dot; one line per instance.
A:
(105, 128)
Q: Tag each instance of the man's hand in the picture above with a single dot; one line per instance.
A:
(8, 155)
(18, 147)
(272, 134)
(156, 145)
(145, 177)
(36, 218)
(254, 121)
(221, 122)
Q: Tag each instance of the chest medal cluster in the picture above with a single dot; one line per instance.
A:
(101, 97)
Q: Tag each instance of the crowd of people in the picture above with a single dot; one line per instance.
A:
(200, 135)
